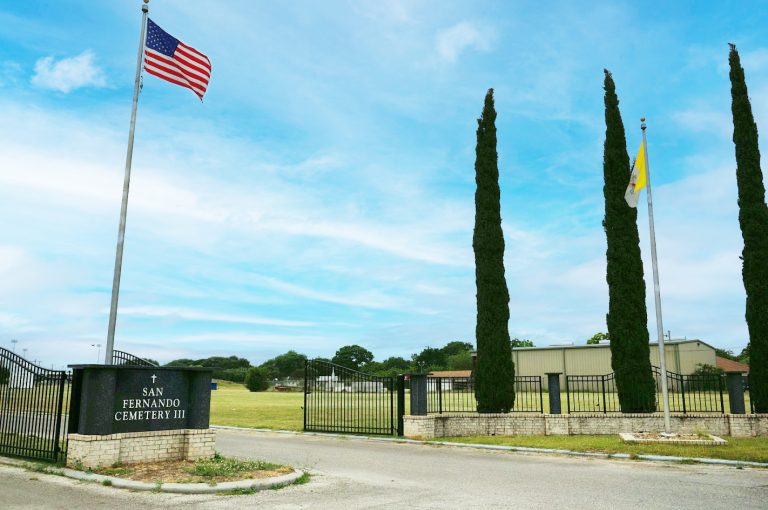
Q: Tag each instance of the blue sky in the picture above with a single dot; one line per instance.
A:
(322, 194)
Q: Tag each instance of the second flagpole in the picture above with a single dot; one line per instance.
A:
(656, 289)
(126, 186)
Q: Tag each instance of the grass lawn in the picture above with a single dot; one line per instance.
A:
(44, 397)
(232, 404)
(749, 448)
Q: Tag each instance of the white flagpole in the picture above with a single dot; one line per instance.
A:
(656, 291)
(126, 185)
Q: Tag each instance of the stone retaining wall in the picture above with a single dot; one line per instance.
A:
(133, 447)
(474, 424)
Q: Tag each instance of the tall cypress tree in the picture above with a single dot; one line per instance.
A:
(495, 372)
(753, 219)
(627, 316)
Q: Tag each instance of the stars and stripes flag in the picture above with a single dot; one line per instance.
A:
(170, 59)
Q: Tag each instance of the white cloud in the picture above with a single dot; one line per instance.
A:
(452, 41)
(10, 72)
(9, 320)
(706, 120)
(68, 74)
(392, 11)
(197, 315)
(754, 61)
(367, 299)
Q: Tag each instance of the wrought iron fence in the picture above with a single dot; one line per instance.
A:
(457, 395)
(128, 359)
(694, 393)
(34, 402)
(592, 393)
(337, 399)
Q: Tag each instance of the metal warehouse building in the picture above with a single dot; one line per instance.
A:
(682, 356)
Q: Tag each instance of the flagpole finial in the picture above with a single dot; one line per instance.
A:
(642, 123)
(145, 7)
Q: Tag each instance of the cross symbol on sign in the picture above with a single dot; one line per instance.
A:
(153, 378)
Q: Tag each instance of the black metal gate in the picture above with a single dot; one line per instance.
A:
(128, 359)
(33, 404)
(337, 399)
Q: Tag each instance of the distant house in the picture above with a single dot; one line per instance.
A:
(448, 381)
(728, 365)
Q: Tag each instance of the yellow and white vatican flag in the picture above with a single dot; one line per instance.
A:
(637, 179)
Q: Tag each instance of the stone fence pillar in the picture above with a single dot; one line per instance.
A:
(553, 386)
(735, 383)
(418, 394)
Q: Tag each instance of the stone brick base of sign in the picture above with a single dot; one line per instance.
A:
(134, 447)
(514, 424)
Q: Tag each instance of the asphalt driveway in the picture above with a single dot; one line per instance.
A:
(353, 473)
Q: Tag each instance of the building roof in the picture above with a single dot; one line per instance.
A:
(450, 373)
(675, 341)
(729, 365)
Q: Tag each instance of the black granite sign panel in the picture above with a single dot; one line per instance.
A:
(108, 399)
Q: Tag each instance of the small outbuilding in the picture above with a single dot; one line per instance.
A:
(449, 380)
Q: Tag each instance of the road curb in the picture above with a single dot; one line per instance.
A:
(176, 488)
(522, 449)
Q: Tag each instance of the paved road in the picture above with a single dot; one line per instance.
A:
(356, 473)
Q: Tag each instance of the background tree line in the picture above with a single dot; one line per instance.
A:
(455, 355)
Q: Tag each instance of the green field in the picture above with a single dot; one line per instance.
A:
(43, 397)
(232, 404)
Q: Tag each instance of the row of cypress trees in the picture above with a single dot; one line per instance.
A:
(627, 316)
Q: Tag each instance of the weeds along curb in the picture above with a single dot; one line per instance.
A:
(522, 449)
(177, 488)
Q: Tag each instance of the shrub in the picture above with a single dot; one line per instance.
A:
(256, 380)
(706, 377)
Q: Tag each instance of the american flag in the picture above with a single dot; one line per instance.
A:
(170, 59)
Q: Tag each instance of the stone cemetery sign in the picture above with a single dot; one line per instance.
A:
(111, 399)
